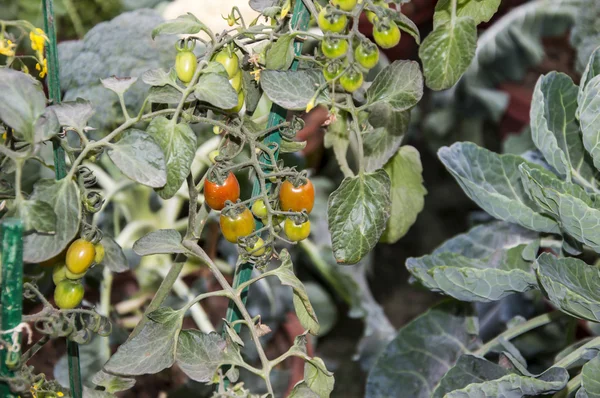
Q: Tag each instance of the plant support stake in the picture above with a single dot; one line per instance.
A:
(60, 170)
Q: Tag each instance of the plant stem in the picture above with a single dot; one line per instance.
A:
(573, 357)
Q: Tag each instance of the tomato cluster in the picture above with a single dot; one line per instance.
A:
(350, 55)
(231, 62)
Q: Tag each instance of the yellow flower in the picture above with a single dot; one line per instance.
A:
(7, 48)
(256, 75)
(38, 39)
(60, 394)
(43, 70)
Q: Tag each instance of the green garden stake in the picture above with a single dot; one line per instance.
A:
(243, 272)
(11, 233)
(60, 171)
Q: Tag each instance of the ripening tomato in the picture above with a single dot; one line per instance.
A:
(185, 65)
(334, 48)
(366, 54)
(68, 294)
(329, 21)
(259, 209)
(296, 232)
(99, 253)
(351, 80)
(386, 34)
(237, 226)
(236, 81)
(216, 195)
(80, 256)
(258, 249)
(230, 62)
(240, 104)
(292, 198)
(346, 5)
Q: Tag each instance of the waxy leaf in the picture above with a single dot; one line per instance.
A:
(157, 77)
(75, 114)
(281, 53)
(36, 216)
(216, 90)
(46, 126)
(382, 142)
(592, 70)
(114, 258)
(468, 369)
(178, 143)
(400, 84)
(138, 156)
(112, 383)
(183, 24)
(118, 84)
(318, 378)
(357, 213)
(590, 374)
(63, 197)
(302, 390)
(294, 89)
(479, 10)
(163, 241)
(407, 25)
(589, 107)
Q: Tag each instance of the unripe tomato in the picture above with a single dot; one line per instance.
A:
(367, 55)
(68, 294)
(240, 104)
(346, 5)
(216, 195)
(212, 156)
(259, 209)
(59, 273)
(237, 226)
(330, 21)
(216, 130)
(351, 80)
(236, 81)
(185, 65)
(73, 276)
(80, 256)
(231, 63)
(334, 48)
(292, 198)
(296, 232)
(99, 253)
(332, 70)
(386, 34)
(258, 249)
(371, 16)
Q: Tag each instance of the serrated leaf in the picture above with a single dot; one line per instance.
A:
(163, 241)
(494, 182)
(183, 24)
(216, 90)
(479, 10)
(357, 214)
(178, 143)
(118, 84)
(157, 77)
(199, 355)
(112, 383)
(383, 141)
(114, 258)
(140, 158)
(294, 89)
(400, 84)
(407, 192)
(318, 378)
(447, 52)
(63, 197)
(37, 216)
(281, 53)
(431, 343)
(74, 114)
(590, 374)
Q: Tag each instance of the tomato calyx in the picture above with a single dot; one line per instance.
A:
(232, 210)
(185, 45)
(218, 173)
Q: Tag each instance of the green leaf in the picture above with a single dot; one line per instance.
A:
(37, 216)
(407, 192)
(75, 114)
(447, 52)
(357, 213)
(138, 156)
(407, 25)
(163, 241)
(479, 10)
(112, 383)
(294, 89)
(468, 369)
(216, 90)
(383, 141)
(157, 77)
(199, 355)
(471, 279)
(590, 374)
(183, 24)
(22, 101)
(63, 197)
(281, 53)
(318, 378)
(166, 94)
(571, 285)
(46, 126)
(262, 5)
(423, 351)
(494, 182)
(114, 258)
(337, 137)
(304, 309)
(400, 84)
(151, 351)
(178, 143)
(554, 129)
(592, 70)
(589, 107)
(302, 390)
(118, 84)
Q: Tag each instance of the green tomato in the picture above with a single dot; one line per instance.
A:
(259, 209)
(332, 70)
(59, 273)
(334, 48)
(386, 34)
(346, 5)
(258, 249)
(231, 63)
(351, 80)
(236, 81)
(371, 16)
(240, 104)
(68, 294)
(185, 65)
(330, 21)
(212, 156)
(367, 55)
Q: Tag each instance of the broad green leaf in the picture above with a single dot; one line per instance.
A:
(163, 241)
(302, 390)
(22, 101)
(318, 378)
(183, 24)
(304, 309)
(494, 182)
(407, 192)
(447, 52)
(63, 197)
(294, 89)
(151, 351)
(571, 285)
(479, 10)
(590, 375)
(471, 279)
(37, 216)
(592, 70)
(74, 114)
(588, 110)
(118, 84)
(114, 258)
(281, 53)
(166, 94)
(200, 355)
(216, 90)
(112, 383)
(139, 157)
(178, 143)
(357, 214)
(157, 77)
(46, 126)
(554, 129)
(468, 369)
(400, 84)
(383, 141)
(423, 351)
